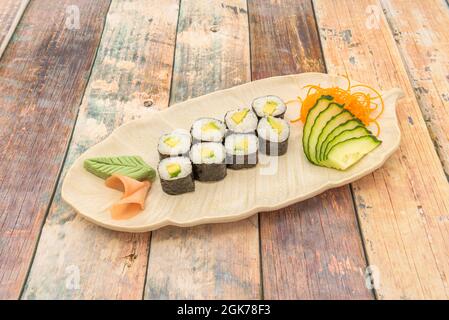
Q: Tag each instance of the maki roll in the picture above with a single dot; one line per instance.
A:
(208, 160)
(273, 136)
(269, 106)
(241, 151)
(174, 144)
(208, 130)
(176, 175)
(241, 121)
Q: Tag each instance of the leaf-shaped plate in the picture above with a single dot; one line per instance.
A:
(273, 184)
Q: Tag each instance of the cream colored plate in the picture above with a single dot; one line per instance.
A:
(275, 183)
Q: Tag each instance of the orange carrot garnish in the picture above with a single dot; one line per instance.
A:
(365, 106)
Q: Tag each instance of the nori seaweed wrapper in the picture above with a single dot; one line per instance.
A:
(273, 148)
(178, 186)
(230, 132)
(238, 162)
(207, 172)
(164, 156)
(195, 141)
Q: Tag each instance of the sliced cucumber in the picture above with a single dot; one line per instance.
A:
(357, 132)
(333, 123)
(320, 105)
(348, 125)
(345, 154)
(320, 122)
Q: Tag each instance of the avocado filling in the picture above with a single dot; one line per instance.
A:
(239, 116)
(242, 145)
(269, 107)
(172, 141)
(210, 126)
(173, 170)
(207, 153)
(275, 124)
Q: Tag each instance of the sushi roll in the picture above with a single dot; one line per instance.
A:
(273, 136)
(241, 121)
(241, 151)
(208, 130)
(174, 144)
(269, 106)
(209, 161)
(176, 175)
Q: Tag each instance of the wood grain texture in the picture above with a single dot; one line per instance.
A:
(132, 72)
(311, 250)
(420, 30)
(211, 261)
(403, 207)
(42, 77)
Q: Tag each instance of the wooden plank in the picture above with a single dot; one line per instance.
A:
(421, 32)
(132, 70)
(403, 207)
(10, 13)
(311, 250)
(211, 261)
(42, 76)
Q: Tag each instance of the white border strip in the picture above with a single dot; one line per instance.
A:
(13, 26)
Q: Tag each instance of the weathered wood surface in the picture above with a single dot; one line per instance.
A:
(311, 250)
(422, 35)
(10, 13)
(131, 76)
(211, 261)
(404, 206)
(42, 77)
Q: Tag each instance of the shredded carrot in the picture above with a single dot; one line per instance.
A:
(365, 106)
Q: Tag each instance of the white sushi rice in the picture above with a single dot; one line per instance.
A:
(197, 156)
(184, 163)
(208, 135)
(236, 139)
(259, 104)
(248, 125)
(265, 131)
(182, 147)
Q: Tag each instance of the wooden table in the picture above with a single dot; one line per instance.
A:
(65, 85)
